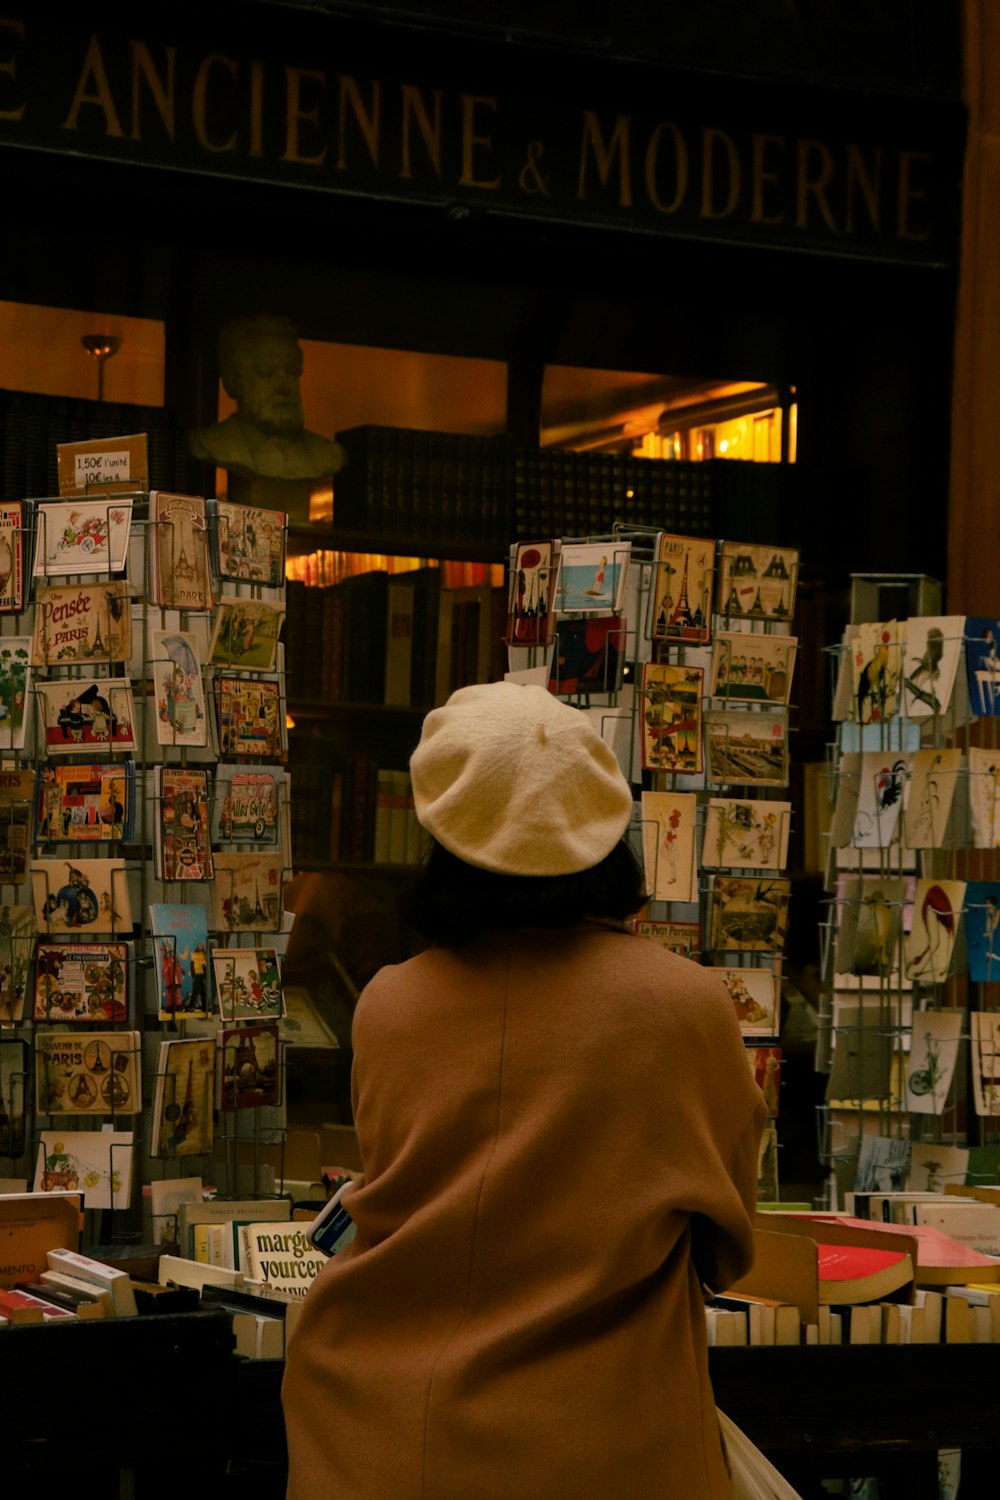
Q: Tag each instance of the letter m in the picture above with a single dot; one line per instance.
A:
(593, 144)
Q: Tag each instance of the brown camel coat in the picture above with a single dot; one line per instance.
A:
(519, 1318)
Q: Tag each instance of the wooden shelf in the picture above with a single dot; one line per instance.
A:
(322, 536)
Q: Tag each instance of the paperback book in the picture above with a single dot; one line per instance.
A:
(17, 946)
(182, 848)
(13, 1080)
(87, 1072)
(80, 623)
(86, 535)
(249, 717)
(183, 1098)
(81, 895)
(250, 1067)
(180, 953)
(245, 635)
(96, 1163)
(81, 982)
(12, 552)
(250, 543)
(17, 793)
(85, 714)
(246, 804)
(248, 983)
(15, 691)
(178, 690)
(85, 802)
(178, 554)
(246, 893)
(281, 1255)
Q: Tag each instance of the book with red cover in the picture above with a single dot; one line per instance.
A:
(860, 1273)
(940, 1258)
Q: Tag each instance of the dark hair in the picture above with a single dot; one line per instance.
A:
(452, 902)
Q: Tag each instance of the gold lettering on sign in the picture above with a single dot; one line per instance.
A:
(710, 137)
(256, 108)
(471, 142)
(199, 100)
(813, 187)
(680, 168)
(760, 176)
(10, 67)
(604, 154)
(908, 194)
(162, 92)
(868, 181)
(414, 109)
(94, 73)
(368, 121)
(296, 115)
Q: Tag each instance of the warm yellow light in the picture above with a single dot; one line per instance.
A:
(724, 445)
(289, 722)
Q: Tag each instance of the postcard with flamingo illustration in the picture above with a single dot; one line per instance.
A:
(931, 654)
(746, 835)
(984, 796)
(531, 604)
(932, 947)
(935, 815)
(677, 937)
(756, 997)
(746, 747)
(748, 914)
(592, 577)
(881, 787)
(757, 583)
(668, 843)
(87, 535)
(671, 717)
(985, 1027)
(83, 714)
(934, 1045)
(682, 579)
(753, 668)
(876, 667)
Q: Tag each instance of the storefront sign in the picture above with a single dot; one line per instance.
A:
(469, 130)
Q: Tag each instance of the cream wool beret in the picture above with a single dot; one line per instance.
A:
(510, 779)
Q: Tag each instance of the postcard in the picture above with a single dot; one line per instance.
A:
(677, 937)
(882, 783)
(680, 589)
(765, 1069)
(11, 556)
(83, 714)
(982, 664)
(84, 802)
(17, 796)
(532, 600)
(592, 577)
(756, 582)
(934, 1048)
(588, 656)
(81, 895)
(870, 914)
(876, 671)
(671, 717)
(246, 892)
(250, 717)
(985, 1027)
(103, 463)
(17, 946)
(180, 949)
(746, 747)
(748, 914)
(250, 543)
(982, 930)
(246, 804)
(934, 816)
(248, 983)
(746, 834)
(933, 649)
(183, 1098)
(756, 997)
(96, 1163)
(15, 691)
(181, 846)
(178, 689)
(87, 1073)
(178, 553)
(668, 843)
(79, 623)
(87, 535)
(250, 1066)
(861, 1066)
(984, 796)
(13, 1088)
(753, 668)
(931, 946)
(81, 982)
(245, 636)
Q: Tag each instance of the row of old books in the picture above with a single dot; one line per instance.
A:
(399, 639)
(348, 808)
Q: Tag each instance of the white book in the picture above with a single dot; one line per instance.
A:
(62, 1281)
(113, 1280)
(175, 1270)
(270, 1337)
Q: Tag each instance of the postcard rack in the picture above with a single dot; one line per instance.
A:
(144, 845)
(909, 1023)
(680, 649)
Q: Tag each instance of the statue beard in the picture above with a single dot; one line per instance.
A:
(281, 417)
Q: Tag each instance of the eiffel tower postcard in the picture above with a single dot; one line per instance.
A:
(680, 589)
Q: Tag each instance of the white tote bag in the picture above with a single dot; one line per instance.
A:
(754, 1476)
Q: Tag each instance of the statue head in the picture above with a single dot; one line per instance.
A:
(260, 363)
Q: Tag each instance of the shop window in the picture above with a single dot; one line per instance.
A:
(59, 351)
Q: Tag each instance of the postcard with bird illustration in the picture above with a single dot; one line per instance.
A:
(984, 796)
(935, 814)
(84, 714)
(985, 1028)
(668, 843)
(742, 834)
(592, 577)
(746, 748)
(881, 788)
(931, 654)
(876, 669)
(681, 583)
(753, 668)
(756, 997)
(982, 930)
(748, 914)
(934, 1045)
(870, 915)
(757, 583)
(671, 717)
(932, 947)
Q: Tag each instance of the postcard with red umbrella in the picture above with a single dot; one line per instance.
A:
(531, 608)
